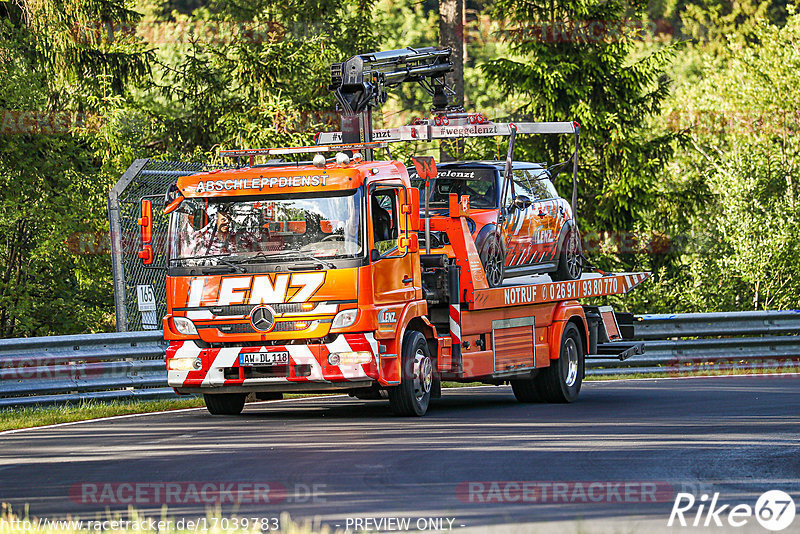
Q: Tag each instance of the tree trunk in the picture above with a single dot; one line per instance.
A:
(451, 34)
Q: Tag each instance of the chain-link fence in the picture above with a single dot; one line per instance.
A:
(139, 290)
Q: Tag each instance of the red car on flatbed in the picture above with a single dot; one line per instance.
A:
(537, 232)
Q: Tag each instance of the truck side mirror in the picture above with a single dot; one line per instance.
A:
(425, 167)
(521, 202)
(145, 223)
(411, 208)
(172, 199)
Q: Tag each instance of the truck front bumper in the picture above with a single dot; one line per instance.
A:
(308, 368)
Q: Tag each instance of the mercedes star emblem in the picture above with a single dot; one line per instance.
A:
(262, 318)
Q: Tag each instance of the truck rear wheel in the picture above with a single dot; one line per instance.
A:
(561, 382)
(525, 390)
(412, 396)
(225, 403)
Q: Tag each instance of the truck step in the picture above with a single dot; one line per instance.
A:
(617, 350)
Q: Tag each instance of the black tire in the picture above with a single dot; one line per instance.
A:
(570, 261)
(525, 390)
(225, 403)
(413, 395)
(493, 260)
(561, 382)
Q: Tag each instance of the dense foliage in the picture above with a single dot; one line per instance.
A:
(688, 142)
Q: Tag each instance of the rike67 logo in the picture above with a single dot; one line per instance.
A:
(774, 510)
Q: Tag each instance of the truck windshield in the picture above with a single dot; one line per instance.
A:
(268, 229)
(480, 183)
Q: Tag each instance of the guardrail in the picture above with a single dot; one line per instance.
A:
(751, 341)
(69, 369)
(125, 365)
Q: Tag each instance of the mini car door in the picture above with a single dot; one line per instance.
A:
(551, 214)
(520, 222)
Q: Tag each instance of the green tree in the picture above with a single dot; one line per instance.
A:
(743, 122)
(57, 83)
(573, 62)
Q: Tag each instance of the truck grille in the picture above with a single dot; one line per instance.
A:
(247, 328)
(245, 309)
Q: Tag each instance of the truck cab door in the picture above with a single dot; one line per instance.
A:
(393, 276)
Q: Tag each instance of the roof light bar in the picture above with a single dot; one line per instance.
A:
(454, 130)
(300, 149)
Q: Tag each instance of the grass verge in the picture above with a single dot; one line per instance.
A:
(13, 418)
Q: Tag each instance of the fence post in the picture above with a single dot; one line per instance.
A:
(115, 226)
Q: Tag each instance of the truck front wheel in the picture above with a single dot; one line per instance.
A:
(413, 394)
(225, 403)
(561, 382)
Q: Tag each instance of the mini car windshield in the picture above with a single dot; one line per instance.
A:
(480, 183)
(267, 229)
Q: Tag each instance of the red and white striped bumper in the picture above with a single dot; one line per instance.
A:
(308, 365)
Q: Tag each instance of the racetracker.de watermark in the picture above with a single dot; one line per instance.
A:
(179, 32)
(199, 492)
(612, 242)
(587, 31)
(551, 492)
(778, 122)
(40, 122)
(784, 366)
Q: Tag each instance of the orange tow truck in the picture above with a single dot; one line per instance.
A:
(308, 276)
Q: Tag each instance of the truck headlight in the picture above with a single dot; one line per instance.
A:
(345, 318)
(184, 326)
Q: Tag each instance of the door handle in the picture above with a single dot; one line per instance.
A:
(407, 279)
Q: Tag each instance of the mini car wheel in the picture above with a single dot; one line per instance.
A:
(570, 262)
(493, 261)
(225, 403)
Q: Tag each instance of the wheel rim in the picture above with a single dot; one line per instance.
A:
(571, 360)
(493, 267)
(573, 257)
(423, 375)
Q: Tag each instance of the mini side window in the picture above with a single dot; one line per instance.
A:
(542, 186)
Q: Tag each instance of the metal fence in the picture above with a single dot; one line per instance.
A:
(144, 179)
(54, 370)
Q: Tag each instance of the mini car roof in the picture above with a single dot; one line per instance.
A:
(490, 163)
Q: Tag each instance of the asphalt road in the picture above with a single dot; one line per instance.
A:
(640, 442)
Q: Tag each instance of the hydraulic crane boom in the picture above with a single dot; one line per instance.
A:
(360, 84)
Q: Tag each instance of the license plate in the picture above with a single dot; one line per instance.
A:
(264, 358)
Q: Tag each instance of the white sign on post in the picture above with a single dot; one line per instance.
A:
(146, 299)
